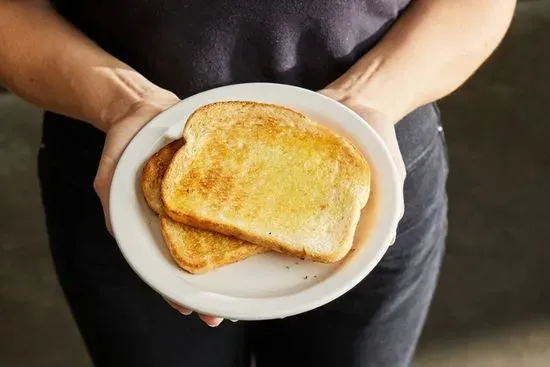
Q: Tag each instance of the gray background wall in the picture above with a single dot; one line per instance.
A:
(493, 304)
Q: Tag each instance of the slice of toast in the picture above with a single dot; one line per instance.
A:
(194, 250)
(268, 175)
(153, 172)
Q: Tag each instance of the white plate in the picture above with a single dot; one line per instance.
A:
(270, 285)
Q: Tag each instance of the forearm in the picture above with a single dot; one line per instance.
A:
(48, 62)
(431, 50)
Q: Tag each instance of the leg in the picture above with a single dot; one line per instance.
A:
(123, 322)
(378, 323)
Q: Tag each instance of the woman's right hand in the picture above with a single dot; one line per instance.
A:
(119, 134)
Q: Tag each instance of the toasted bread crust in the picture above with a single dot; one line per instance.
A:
(208, 258)
(153, 172)
(261, 241)
(220, 198)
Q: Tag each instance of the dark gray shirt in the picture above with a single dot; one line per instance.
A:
(188, 46)
(191, 45)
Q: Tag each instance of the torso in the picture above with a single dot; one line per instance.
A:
(188, 46)
(192, 45)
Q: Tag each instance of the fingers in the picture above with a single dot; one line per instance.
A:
(208, 320)
(180, 309)
(102, 185)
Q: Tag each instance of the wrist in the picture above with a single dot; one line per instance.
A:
(131, 92)
(371, 83)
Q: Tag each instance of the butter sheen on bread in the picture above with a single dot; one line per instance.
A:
(270, 176)
(194, 250)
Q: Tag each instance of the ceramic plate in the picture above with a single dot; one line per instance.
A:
(270, 285)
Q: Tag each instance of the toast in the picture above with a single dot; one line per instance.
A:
(153, 172)
(194, 250)
(268, 175)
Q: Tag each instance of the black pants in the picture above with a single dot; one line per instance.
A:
(125, 323)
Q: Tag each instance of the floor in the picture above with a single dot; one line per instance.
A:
(492, 307)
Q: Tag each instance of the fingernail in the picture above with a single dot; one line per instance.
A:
(186, 313)
(233, 320)
(215, 323)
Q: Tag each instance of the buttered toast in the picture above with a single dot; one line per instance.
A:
(195, 250)
(268, 175)
(153, 172)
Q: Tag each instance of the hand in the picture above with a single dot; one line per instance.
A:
(383, 125)
(119, 133)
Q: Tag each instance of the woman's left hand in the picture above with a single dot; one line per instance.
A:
(382, 124)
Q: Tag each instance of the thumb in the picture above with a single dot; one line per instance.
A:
(116, 141)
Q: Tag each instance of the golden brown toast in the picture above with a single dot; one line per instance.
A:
(153, 172)
(199, 251)
(195, 250)
(268, 175)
